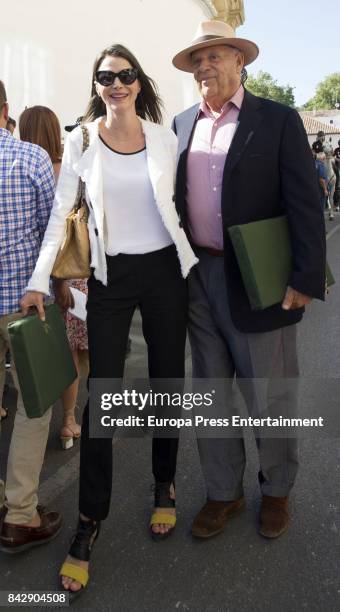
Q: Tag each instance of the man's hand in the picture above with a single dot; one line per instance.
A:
(294, 299)
(63, 294)
(36, 299)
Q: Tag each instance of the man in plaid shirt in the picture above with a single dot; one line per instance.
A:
(26, 195)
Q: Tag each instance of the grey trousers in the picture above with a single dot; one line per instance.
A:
(219, 350)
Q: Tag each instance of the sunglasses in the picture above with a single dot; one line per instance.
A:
(107, 77)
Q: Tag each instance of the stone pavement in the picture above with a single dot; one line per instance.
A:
(234, 572)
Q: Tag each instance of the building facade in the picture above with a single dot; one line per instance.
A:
(46, 55)
(231, 11)
(314, 124)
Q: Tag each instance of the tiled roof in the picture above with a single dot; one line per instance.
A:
(325, 112)
(313, 126)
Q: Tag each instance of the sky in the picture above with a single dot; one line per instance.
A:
(299, 41)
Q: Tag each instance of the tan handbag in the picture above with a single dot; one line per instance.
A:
(73, 258)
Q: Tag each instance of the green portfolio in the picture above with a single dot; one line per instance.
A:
(42, 358)
(264, 255)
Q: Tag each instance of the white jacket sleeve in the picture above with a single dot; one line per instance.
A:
(66, 192)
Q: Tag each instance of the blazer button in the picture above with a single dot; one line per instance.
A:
(180, 223)
(173, 198)
(96, 231)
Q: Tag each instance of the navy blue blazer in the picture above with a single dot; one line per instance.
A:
(269, 171)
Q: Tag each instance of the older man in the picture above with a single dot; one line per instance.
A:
(243, 159)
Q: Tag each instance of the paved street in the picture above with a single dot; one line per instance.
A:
(235, 572)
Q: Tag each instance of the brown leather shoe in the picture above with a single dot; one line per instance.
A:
(17, 538)
(212, 518)
(274, 516)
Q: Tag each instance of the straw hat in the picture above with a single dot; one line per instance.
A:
(209, 34)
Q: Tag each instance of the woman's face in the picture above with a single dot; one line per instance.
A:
(118, 97)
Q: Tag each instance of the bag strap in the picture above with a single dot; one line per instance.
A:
(86, 137)
(80, 197)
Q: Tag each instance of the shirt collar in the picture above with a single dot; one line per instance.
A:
(5, 133)
(236, 100)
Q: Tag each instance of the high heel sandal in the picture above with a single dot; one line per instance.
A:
(81, 547)
(67, 434)
(163, 500)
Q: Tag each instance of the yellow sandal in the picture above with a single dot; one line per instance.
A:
(82, 543)
(163, 500)
(76, 572)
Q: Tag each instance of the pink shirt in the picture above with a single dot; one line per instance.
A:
(209, 148)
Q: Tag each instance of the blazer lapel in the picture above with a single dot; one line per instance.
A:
(185, 130)
(184, 133)
(154, 154)
(249, 120)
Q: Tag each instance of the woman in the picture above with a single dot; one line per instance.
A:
(140, 257)
(337, 174)
(40, 125)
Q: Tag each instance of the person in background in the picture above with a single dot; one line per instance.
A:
(322, 178)
(26, 198)
(331, 176)
(11, 125)
(318, 144)
(41, 126)
(337, 173)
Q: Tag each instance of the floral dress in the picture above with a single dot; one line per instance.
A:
(76, 328)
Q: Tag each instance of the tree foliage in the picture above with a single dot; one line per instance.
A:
(265, 86)
(327, 93)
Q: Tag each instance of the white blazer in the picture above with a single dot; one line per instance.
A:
(161, 150)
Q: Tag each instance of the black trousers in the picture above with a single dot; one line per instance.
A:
(152, 281)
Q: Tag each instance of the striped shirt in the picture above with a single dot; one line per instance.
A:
(26, 196)
(212, 138)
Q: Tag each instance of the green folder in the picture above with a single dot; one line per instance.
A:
(42, 358)
(264, 255)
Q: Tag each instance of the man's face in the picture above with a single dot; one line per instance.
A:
(217, 71)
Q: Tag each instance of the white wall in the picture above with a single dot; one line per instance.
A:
(47, 49)
(333, 120)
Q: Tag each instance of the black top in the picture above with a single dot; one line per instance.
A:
(317, 146)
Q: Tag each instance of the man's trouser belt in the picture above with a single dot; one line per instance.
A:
(213, 252)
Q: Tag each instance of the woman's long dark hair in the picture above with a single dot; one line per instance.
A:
(41, 126)
(148, 102)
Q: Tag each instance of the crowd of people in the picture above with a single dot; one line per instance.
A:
(327, 163)
(164, 247)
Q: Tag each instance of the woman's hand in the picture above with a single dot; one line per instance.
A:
(36, 299)
(63, 294)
